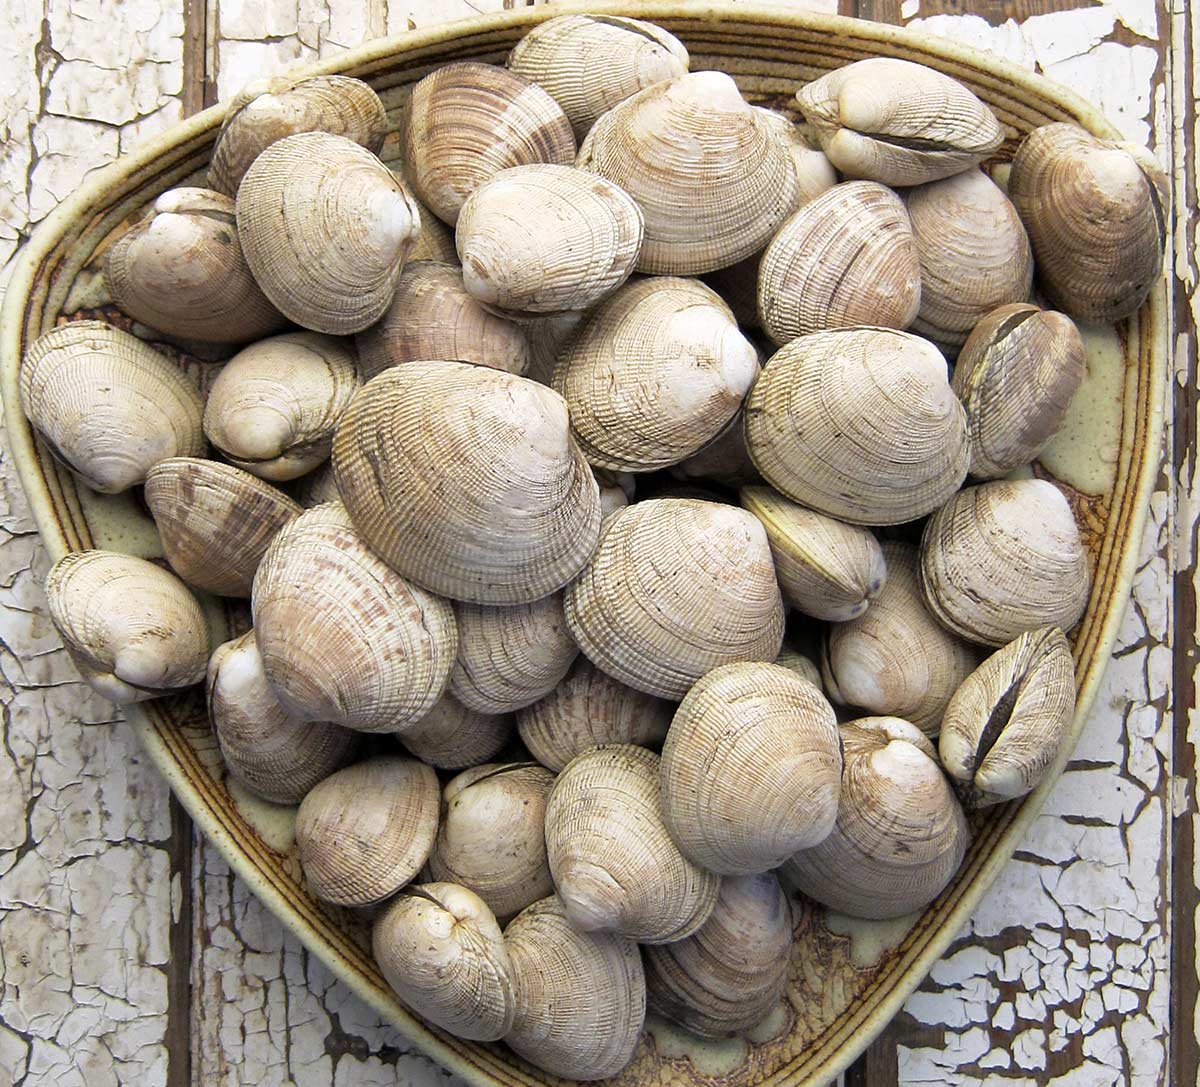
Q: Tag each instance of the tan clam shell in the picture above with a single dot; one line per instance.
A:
(826, 569)
(614, 865)
(896, 658)
(724, 460)
(676, 588)
(900, 834)
(549, 338)
(733, 970)
(800, 665)
(441, 950)
(273, 407)
(132, 629)
(616, 490)
(1016, 376)
(1004, 726)
(325, 228)
(581, 996)
(433, 317)
(859, 424)
(365, 831)
(590, 63)
(267, 750)
(316, 487)
(510, 657)
(434, 240)
(656, 373)
(545, 238)
(180, 269)
(898, 122)
(974, 254)
(215, 521)
(711, 176)
(587, 709)
(466, 480)
(468, 122)
(750, 769)
(452, 737)
(491, 835)
(1096, 212)
(1002, 558)
(267, 110)
(109, 406)
(846, 258)
(345, 638)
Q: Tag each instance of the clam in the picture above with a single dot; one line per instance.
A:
(267, 750)
(901, 123)
(726, 976)
(750, 769)
(590, 63)
(859, 424)
(724, 460)
(587, 709)
(365, 831)
(441, 950)
(468, 122)
(656, 373)
(215, 521)
(109, 406)
(1096, 212)
(325, 228)
(491, 838)
(826, 569)
(452, 737)
(974, 254)
(132, 629)
(581, 996)
(1016, 376)
(676, 588)
(267, 110)
(895, 658)
(800, 665)
(273, 407)
(434, 240)
(900, 833)
(317, 486)
(616, 490)
(549, 338)
(180, 269)
(1005, 725)
(846, 258)
(614, 865)
(343, 637)
(545, 238)
(432, 316)
(466, 480)
(1003, 558)
(711, 176)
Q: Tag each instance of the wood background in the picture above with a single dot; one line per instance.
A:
(130, 955)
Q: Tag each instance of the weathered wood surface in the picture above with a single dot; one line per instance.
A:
(108, 908)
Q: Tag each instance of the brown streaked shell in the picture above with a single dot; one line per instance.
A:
(452, 737)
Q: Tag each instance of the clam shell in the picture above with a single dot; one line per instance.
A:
(452, 737)
(616, 490)
(800, 665)
(549, 338)
(109, 406)
(317, 486)
(434, 240)
(724, 460)
(467, 481)
(676, 588)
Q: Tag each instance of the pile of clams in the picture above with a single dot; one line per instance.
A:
(635, 494)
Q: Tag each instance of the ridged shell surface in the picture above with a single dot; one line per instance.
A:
(316, 487)
(724, 460)
(452, 737)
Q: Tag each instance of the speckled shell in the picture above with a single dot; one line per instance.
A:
(676, 588)
(433, 317)
(581, 996)
(466, 480)
(273, 407)
(615, 867)
(132, 629)
(1096, 212)
(750, 769)
(846, 258)
(452, 737)
(109, 406)
(859, 424)
(901, 123)
(267, 110)
(900, 833)
(317, 486)
(657, 372)
(325, 228)
(468, 122)
(365, 831)
(724, 460)
(1003, 558)
(344, 638)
